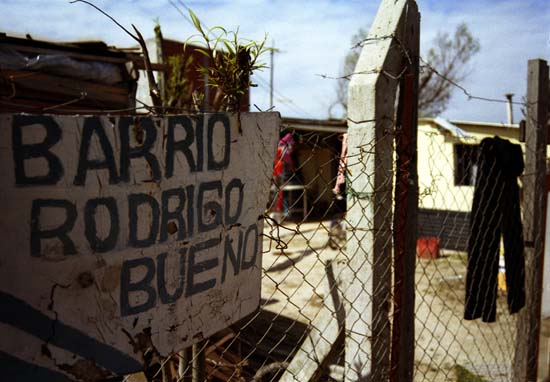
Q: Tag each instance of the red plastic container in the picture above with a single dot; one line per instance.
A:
(427, 247)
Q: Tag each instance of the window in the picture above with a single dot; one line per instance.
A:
(465, 163)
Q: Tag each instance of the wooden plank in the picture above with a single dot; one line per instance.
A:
(59, 106)
(127, 235)
(534, 194)
(73, 52)
(371, 109)
(138, 64)
(406, 206)
(58, 84)
(218, 344)
(50, 89)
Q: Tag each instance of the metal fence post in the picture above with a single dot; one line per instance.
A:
(198, 362)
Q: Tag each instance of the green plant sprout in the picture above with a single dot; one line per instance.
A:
(232, 61)
(178, 92)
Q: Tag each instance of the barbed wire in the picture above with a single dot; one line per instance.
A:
(466, 92)
(425, 65)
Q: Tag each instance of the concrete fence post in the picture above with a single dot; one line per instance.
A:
(372, 126)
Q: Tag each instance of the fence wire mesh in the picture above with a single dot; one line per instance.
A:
(304, 235)
(302, 328)
(447, 346)
(309, 310)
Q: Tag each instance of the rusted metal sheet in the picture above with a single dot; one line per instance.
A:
(125, 239)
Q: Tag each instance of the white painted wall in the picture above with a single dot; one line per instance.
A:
(436, 172)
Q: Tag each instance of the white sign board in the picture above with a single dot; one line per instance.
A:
(546, 274)
(121, 234)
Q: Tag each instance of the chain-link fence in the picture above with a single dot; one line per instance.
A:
(304, 236)
(316, 322)
(299, 333)
(447, 345)
(337, 252)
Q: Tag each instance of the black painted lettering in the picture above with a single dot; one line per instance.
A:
(234, 184)
(234, 256)
(143, 285)
(134, 203)
(22, 152)
(93, 126)
(213, 163)
(143, 150)
(176, 214)
(184, 146)
(209, 213)
(164, 295)
(90, 223)
(251, 232)
(194, 267)
(60, 232)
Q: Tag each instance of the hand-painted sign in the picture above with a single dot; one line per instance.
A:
(121, 234)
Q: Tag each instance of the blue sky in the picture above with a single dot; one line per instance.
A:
(313, 37)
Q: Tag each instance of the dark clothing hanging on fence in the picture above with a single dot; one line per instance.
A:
(495, 211)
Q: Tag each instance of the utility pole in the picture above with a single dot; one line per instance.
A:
(271, 69)
(509, 109)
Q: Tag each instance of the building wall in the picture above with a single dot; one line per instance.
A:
(436, 167)
(436, 172)
(444, 206)
(197, 81)
(318, 170)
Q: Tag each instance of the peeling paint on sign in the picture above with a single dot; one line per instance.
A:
(126, 234)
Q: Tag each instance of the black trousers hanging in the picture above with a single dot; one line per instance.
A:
(495, 212)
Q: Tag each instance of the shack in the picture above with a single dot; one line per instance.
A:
(66, 77)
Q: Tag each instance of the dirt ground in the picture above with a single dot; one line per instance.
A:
(447, 346)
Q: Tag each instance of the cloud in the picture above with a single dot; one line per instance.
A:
(510, 33)
(313, 38)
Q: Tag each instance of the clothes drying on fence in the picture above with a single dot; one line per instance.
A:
(495, 212)
(277, 174)
(286, 172)
(287, 143)
(342, 163)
